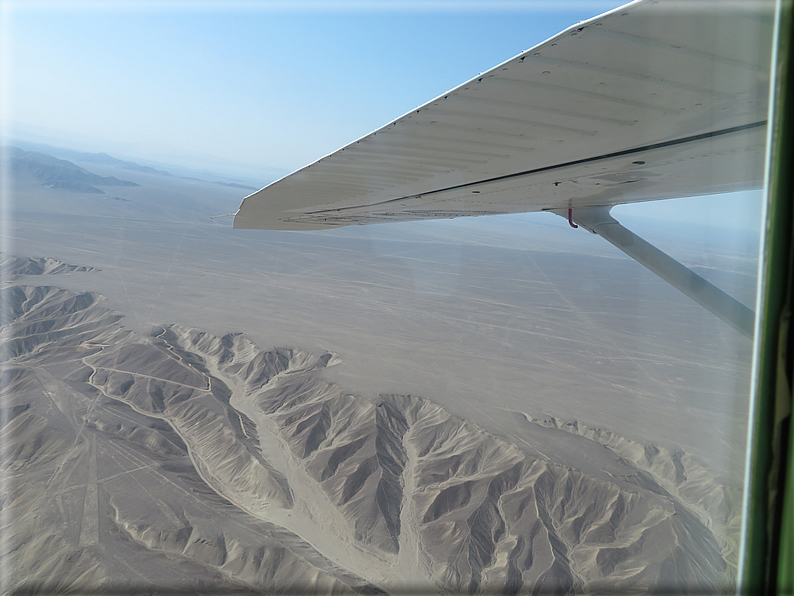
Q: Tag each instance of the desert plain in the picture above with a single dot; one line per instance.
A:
(493, 405)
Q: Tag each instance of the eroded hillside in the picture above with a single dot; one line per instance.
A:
(188, 460)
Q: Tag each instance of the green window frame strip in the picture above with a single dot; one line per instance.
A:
(768, 563)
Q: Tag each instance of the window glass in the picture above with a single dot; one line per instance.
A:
(499, 403)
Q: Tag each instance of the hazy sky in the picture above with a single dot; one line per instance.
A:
(257, 89)
(260, 88)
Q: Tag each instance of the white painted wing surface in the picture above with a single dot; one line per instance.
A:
(657, 99)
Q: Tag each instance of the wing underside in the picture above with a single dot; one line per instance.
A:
(642, 103)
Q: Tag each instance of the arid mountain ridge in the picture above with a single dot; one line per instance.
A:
(50, 166)
(13, 267)
(58, 173)
(247, 470)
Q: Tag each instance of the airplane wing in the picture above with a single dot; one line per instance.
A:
(657, 99)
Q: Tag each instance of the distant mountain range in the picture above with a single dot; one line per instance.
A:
(58, 173)
(103, 159)
(100, 158)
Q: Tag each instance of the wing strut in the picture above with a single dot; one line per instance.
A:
(599, 221)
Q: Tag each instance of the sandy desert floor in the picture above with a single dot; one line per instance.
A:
(445, 406)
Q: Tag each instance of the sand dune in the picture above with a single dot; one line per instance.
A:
(250, 471)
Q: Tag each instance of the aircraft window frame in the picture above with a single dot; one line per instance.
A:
(767, 564)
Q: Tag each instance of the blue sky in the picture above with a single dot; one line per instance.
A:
(248, 88)
(256, 89)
